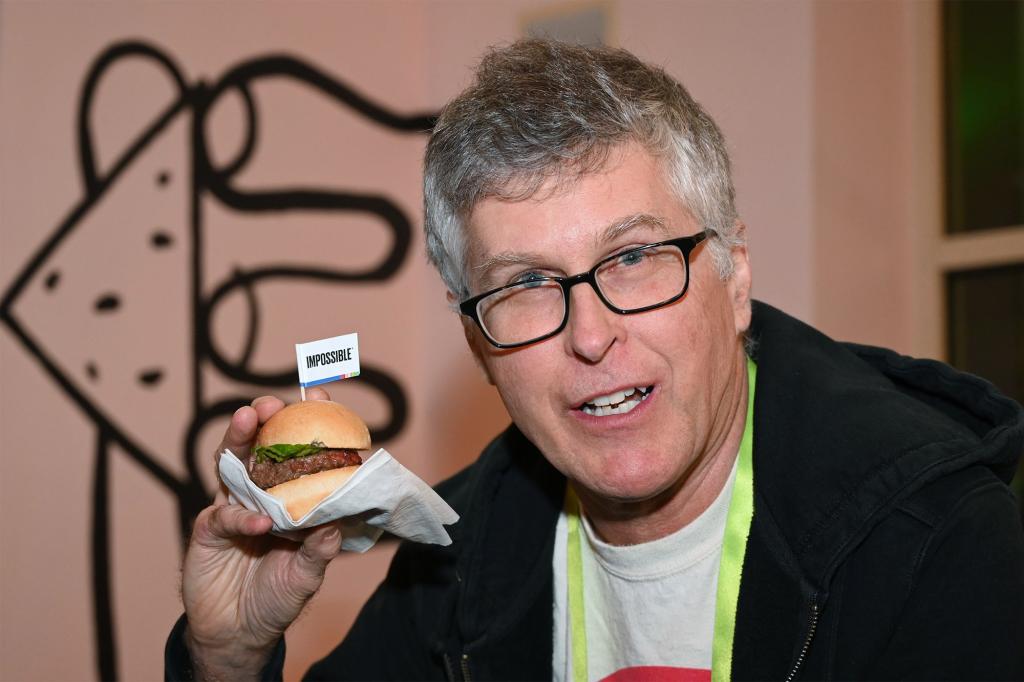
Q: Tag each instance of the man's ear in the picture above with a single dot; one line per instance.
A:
(740, 282)
(473, 340)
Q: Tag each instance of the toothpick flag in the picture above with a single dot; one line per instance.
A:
(327, 360)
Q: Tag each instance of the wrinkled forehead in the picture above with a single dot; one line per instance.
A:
(573, 218)
(548, 178)
(515, 186)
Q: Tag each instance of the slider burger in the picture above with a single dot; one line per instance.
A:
(306, 451)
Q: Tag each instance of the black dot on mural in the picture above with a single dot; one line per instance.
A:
(107, 303)
(161, 240)
(92, 371)
(151, 377)
(52, 280)
(163, 178)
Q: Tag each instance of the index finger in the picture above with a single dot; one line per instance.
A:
(219, 525)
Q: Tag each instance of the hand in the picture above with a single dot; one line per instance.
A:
(241, 586)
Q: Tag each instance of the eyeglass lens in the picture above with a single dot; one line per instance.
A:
(636, 279)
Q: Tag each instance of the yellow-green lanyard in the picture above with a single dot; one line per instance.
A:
(734, 545)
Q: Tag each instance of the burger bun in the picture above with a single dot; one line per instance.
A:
(316, 421)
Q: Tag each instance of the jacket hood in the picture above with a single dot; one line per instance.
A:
(844, 432)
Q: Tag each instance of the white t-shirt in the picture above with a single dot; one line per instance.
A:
(650, 608)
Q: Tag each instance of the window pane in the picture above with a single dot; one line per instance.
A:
(986, 331)
(984, 62)
(986, 325)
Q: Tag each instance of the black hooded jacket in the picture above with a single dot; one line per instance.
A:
(884, 543)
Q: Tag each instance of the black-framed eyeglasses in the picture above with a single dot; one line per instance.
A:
(537, 307)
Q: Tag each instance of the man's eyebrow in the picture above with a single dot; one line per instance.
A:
(631, 222)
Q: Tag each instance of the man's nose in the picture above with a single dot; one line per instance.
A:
(592, 329)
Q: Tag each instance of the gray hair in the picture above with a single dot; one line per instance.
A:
(542, 110)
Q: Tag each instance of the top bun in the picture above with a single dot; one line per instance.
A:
(323, 421)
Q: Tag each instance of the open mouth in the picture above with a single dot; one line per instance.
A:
(619, 402)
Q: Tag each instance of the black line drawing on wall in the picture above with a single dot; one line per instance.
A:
(51, 282)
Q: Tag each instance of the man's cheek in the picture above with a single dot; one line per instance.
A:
(516, 397)
(527, 405)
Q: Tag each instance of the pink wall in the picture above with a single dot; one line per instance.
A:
(863, 172)
(788, 81)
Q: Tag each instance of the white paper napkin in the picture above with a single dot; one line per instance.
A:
(382, 496)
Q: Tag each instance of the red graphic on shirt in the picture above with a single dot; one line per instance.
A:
(659, 673)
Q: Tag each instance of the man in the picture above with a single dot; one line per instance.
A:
(645, 516)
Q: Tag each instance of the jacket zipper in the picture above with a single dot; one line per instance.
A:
(807, 642)
(463, 668)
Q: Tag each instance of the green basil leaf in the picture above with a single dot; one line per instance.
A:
(280, 452)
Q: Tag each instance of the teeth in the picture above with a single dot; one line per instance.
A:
(612, 398)
(618, 402)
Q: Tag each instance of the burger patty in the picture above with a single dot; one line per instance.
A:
(269, 473)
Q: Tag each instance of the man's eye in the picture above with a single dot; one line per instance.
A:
(631, 258)
(530, 279)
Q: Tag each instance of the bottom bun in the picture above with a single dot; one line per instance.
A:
(301, 494)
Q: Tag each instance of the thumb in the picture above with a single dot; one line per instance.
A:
(316, 551)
